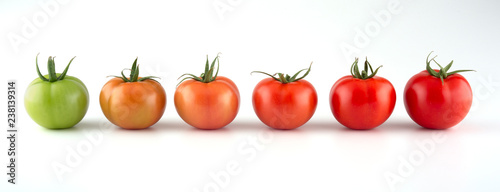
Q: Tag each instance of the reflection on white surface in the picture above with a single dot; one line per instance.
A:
(322, 155)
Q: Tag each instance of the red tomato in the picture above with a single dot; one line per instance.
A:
(133, 103)
(208, 101)
(210, 105)
(438, 99)
(362, 102)
(284, 105)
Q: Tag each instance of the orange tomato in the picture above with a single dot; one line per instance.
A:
(210, 105)
(133, 103)
(207, 101)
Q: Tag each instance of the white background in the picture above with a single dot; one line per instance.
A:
(173, 37)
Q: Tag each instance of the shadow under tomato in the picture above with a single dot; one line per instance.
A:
(90, 124)
(395, 126)
(389, 126)
(325, 125)
(75, 128)
(210, 131)
(146, 130)
(251, 126)
(247, 126)
(171, 126)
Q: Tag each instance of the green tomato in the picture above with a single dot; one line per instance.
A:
(56, 101)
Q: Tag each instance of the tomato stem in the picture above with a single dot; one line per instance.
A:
(51, 68)
(285, 78)
(38, 70)
(443, 72)
(61, 77)
(207, 76)
(134, 74)
(364, 73)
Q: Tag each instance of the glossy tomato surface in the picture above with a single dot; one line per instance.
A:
(57, 105)
(434, 104)
(284, 105)
(362, 104)
(210, 105)
(133, 105)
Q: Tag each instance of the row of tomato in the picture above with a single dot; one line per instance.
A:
(435, 99)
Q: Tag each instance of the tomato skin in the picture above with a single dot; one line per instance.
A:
(362, 104)
(133, 105)
(210, 105)
(437, 105)
(57, 105)
(284, 106)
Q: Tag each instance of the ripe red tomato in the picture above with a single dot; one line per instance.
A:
(208, 101)
(436, 99)
(133, 103)
(283, 103)
(359, 101)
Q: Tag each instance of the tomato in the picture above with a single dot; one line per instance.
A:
(437, 99)
(362, 101)
(208, 101)
(56, 101)
(284, 102)
(133, 103)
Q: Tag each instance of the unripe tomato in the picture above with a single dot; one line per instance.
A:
(56, 100)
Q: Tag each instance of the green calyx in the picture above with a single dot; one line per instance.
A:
(364, 73)
(443, 72)
(134, 74)
(51, 67)
(206, 77)
(285, 78)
